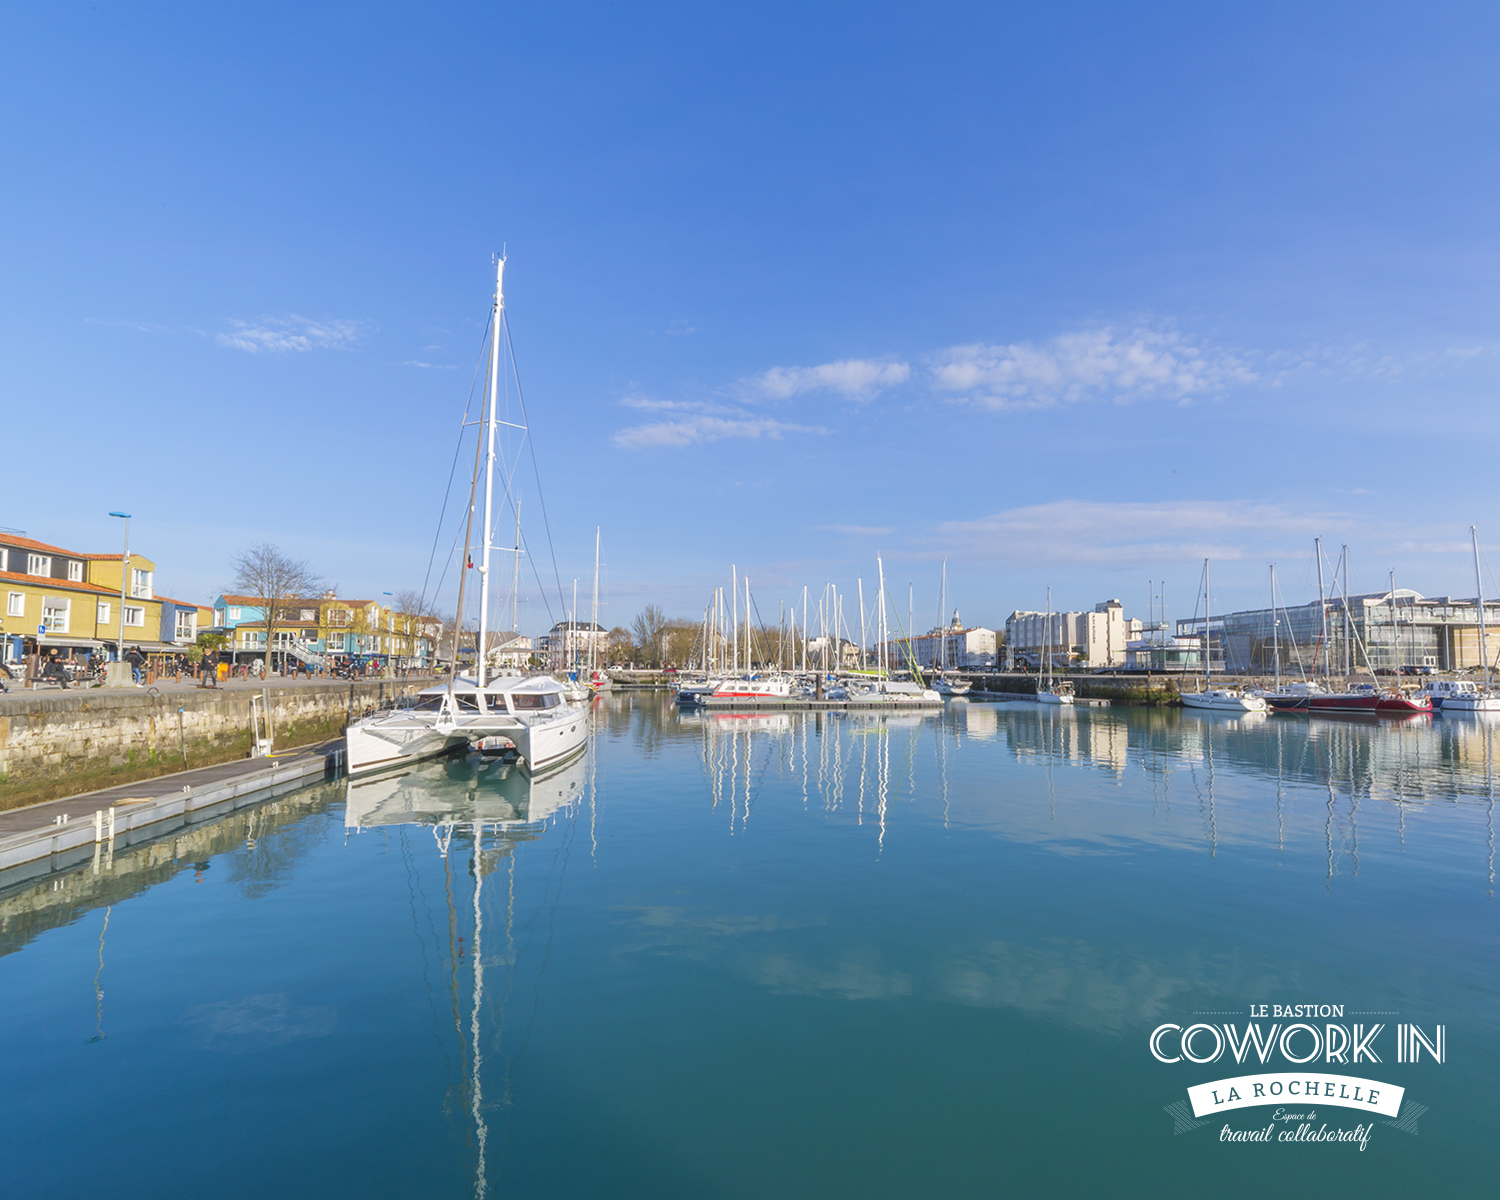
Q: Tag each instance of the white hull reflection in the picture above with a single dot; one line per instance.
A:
(494, 793)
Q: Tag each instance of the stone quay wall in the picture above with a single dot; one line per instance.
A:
(55, 732)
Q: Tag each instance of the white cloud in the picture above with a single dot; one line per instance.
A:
(857, 530)
(1087, 365)
(703, 427)
(854, 378)
(278, 335)
(1074, 532)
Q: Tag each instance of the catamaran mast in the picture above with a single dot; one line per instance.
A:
(491, 421)
(515, 581)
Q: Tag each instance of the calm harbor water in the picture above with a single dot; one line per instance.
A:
(791, 955)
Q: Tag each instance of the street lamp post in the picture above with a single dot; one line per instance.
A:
(392, 626)
(124, 579)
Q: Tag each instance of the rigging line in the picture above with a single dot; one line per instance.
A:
(457, 450)
(535, 470)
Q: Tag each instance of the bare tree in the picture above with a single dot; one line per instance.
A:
(273, 580)
(648, 627)
(416, 617)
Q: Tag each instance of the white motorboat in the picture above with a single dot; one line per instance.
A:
(754, 687)
(1224, 699)
(1460, 695)
(951, 687)
(531, 712)
(898, 692)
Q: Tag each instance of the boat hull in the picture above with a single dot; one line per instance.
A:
(1468, 703)
(552, 738)
(1239, 704)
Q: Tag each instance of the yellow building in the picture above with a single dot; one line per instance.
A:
(60, 599)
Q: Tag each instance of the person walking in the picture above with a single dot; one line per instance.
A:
(210, 669)
(136, 660)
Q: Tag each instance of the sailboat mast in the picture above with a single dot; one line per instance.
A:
(1322, 603)
(1344, 583)
(1208, 637)
(1484, 648)
(594, 619)
(747, 623)
(573, 632)
(1047, 640)
(489, 472)
(942, 620)
(1275, 631)
(734, 625)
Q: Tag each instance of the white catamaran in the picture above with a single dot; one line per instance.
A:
(531, 712)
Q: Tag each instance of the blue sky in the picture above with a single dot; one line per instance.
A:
(1068, 294)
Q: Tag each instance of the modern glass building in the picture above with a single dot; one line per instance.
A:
(1384, 631)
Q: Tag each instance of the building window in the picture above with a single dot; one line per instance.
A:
(103, 613)
(134, 615)
(234, 614)
(55, 615)
(187, 626)
(38, 564)
(75, 572)
(15, 605)
(140, 583)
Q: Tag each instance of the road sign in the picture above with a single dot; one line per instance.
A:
(41, 630)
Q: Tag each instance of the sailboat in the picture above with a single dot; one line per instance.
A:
(1464, 696)
(1054, 692)
(599, 681)
(530, 711)
(883, 689)
(1224, 699)
(942, 685)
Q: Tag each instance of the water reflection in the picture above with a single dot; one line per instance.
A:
(479, 811)
(1246, 777)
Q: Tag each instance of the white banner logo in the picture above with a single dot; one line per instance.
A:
(1290, 1088)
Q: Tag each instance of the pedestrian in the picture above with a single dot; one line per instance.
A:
(136, 660)
(210, 669)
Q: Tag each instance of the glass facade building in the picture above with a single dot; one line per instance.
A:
(1383, 631)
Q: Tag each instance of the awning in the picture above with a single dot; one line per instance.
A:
(81, 643)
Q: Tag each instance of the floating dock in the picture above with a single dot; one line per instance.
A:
(56, 835)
